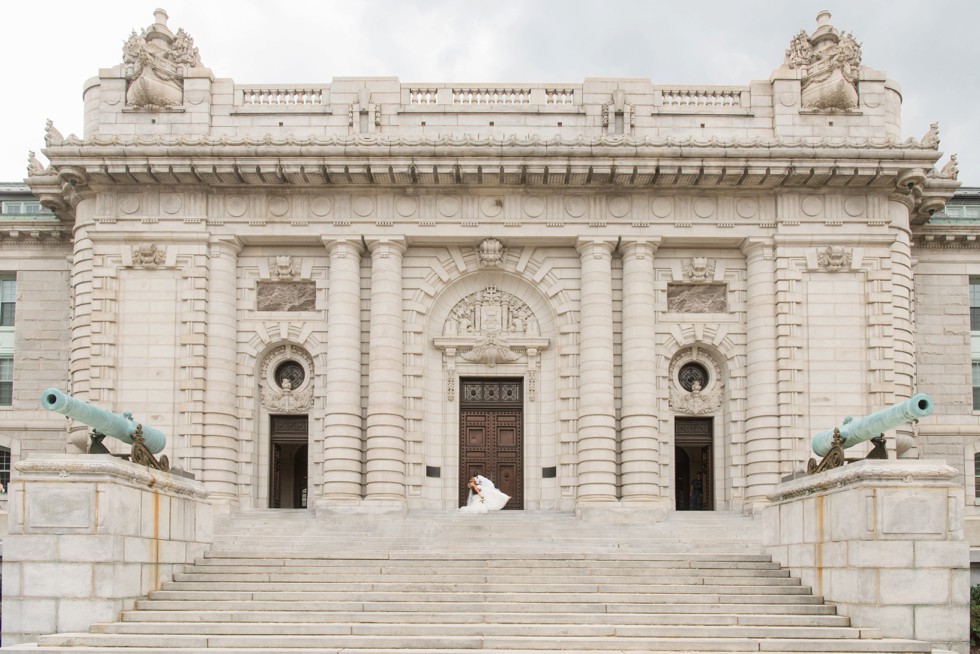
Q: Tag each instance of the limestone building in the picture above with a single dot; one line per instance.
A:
(605, 295)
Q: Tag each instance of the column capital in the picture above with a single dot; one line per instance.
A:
(384, 246)
(219, 244)
(758, 247)
(639, 248)
(598, 247)
(342, 247)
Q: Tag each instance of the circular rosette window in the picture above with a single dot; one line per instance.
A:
(287, 367)
(289, 374)
(693, 376)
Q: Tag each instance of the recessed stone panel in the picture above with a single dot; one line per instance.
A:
(285, 296)
(697, 298)
(59, 507)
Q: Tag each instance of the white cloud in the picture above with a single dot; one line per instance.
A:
(51, 48)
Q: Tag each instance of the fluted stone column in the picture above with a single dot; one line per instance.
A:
(762, 453)
(219, 467)
(342, 420)
(597, 418)
(640, 440)
(385, 468)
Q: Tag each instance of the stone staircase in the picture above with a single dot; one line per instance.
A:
(514, 582)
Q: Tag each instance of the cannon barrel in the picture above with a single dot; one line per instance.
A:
(859, 430)
(106, 422)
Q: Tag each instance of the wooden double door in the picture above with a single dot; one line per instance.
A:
(491, 435)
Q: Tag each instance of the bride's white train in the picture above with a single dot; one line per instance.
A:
(484, 496)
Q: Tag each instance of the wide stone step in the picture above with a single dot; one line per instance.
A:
(428, 643)
(393, 563)
(668, 596)
(482, 578)
(472, 555)
(448, 615)
(594, 630)
(426, 573)
(465, 567)
(690, 584)
(584, 606)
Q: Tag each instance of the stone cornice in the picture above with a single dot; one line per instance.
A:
(878, 472)
(64, 467)
(355, 142)
(947, 236)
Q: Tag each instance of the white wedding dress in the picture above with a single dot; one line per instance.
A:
(493, 499)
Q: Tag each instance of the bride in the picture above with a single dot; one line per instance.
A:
(484, 496)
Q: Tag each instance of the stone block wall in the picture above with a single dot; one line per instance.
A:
(88, 535)
(884, 541)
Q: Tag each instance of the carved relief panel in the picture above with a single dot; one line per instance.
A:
(491, 312)
(490, 327)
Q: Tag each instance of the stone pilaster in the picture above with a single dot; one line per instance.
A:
(342, 418)
(385, 468)
(219, 470)
(640, 460)
(902, 325)
(596, 416)
(762, 453)
(81, 317)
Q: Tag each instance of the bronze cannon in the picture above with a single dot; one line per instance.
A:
(831, 443)
(146, 440)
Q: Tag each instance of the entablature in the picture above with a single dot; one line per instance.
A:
(79, 167)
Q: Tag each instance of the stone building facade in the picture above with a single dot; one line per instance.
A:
(609, 295)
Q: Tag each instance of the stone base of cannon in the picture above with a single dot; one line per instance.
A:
(139, 453)
(835, 457)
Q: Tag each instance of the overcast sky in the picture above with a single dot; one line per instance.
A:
(50, 47)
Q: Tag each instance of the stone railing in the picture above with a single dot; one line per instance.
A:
(423, 96)
(701, 98)
(257, 96)
(560, 96)
(491, 96)
(477, 96)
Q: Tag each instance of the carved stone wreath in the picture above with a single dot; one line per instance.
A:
(696, 400)
(284, 388)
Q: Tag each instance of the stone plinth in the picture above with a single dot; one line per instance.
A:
(88, 535)
(883, 540)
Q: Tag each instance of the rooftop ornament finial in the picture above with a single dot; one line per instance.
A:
(829, 63)
(160, 17)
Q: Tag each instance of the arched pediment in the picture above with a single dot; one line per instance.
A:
(490, 326)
